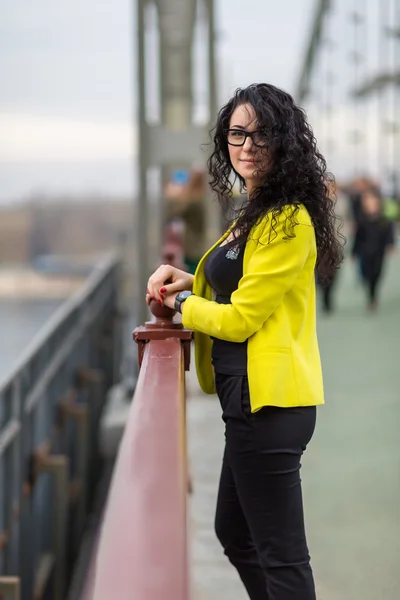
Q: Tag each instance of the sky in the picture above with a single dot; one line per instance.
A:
(68, 85)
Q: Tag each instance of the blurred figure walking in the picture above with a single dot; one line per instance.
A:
(327, 288)
(184, 198)
(374, 237)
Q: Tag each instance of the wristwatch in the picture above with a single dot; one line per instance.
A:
(180, 299)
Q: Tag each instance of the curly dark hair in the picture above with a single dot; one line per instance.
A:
(297, 173)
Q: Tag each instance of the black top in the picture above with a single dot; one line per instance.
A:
(373, 236)
(223, 270)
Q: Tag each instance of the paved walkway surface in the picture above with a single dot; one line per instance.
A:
(351, 471)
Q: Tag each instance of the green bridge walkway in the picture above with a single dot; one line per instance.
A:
(351, 471)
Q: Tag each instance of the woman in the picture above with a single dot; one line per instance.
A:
(251, 304)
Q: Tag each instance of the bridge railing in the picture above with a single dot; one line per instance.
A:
(141, 550)
(50, 407)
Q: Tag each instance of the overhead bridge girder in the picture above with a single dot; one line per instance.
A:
(175, 140)
(312, 49)
(176, 26)
(376, 84)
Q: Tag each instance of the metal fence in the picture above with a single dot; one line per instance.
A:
(50, 407)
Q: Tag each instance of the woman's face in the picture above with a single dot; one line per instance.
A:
(250, 161)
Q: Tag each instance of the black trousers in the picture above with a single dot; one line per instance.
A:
(371, 270)
(327, 293)
(259, 516)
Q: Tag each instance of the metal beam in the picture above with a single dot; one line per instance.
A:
(141, 212)
(176, 140)
(376, 84)
(176, 25)
(212, 209)
(315, 39)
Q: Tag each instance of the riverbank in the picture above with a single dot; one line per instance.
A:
(23, 282)
(20, 321)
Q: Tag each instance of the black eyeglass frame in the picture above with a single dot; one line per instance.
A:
(247, 134)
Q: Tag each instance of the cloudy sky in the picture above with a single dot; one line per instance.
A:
(67, 84)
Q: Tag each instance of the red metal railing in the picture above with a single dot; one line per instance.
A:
(142, 546)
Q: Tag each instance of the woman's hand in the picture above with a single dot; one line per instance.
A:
(170, 300)
(158, 289)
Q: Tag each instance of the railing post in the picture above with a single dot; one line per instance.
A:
(163, 327)
(57, 465)
(93, 381)
(81, 416)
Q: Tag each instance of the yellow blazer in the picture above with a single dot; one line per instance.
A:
(273, 308)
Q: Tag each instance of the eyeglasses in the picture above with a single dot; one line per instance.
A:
(238, 137)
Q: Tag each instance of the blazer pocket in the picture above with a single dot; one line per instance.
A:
(271, 379)
(277, 350)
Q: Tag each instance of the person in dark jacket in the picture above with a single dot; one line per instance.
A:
(374, 237)
(327, 288)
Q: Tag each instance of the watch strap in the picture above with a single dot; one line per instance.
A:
(180, 299)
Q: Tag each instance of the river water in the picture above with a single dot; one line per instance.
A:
(20, 320)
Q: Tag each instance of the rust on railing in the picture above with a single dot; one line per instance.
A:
(141, 551)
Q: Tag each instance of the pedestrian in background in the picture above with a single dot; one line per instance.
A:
(327, 287)
(185, 199)
(374, 238)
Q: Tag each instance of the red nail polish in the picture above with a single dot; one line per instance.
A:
(160, 303)
(163, 290)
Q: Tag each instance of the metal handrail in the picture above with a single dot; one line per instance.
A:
(104, 267)
(50, 405)
(141, 550)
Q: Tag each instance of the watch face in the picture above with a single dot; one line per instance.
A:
(183, 295)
